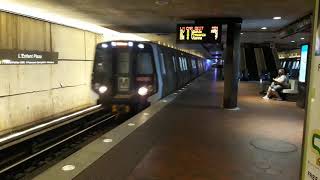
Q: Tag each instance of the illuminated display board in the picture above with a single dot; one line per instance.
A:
(197, 33)
(303, 64)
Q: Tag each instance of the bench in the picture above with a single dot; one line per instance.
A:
(293, 84)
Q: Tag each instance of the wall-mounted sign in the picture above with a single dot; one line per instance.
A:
(24, 57)
(197, 33)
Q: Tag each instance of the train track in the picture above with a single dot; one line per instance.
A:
(29, 157)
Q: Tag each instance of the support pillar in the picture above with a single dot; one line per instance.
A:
(231, 66)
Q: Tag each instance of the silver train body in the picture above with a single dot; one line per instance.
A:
(129, 76)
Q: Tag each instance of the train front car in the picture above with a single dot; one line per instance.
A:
(124, 75)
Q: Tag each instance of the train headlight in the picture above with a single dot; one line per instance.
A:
(141, 46)
(103, 89)
(143, 91)
(104, 45)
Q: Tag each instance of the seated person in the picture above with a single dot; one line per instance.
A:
(279, 83)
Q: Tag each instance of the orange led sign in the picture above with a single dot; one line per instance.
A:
(190, 33)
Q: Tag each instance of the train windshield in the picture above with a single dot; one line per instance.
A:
(144, 63)
(103, 64)
(123, 61)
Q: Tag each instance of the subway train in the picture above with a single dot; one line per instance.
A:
(129, 75)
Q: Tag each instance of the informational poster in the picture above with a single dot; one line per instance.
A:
(25, 57)
(199, 33)
(311, 146)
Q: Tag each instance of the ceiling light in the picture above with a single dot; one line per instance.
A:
(264, 28)
(131, 124)
(68, 167)
(302, 38)
(277, 18)
(162, 2)
(293, 41)
(107, 140)
(241, 33)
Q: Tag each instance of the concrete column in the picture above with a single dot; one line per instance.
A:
(231, 66)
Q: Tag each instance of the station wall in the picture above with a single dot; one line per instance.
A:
(30, 93)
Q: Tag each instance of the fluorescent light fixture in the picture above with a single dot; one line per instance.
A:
(264, 28)
(162, 2)
(293, 41)
(277, 18)
(302, 38)
(107, 140)
(131, 124)
(68, 167)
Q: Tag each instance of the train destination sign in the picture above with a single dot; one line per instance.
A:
(24, 57)
(196, 33)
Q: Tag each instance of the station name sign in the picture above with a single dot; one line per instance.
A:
(198, 33)
(24, 57)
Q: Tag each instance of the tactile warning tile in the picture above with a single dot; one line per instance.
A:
(273, 145)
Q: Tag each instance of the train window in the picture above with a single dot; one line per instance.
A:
(174, 63)
(103, 61)
(284, 64)
(193, 62)
(180, 64)
(124, 63)
(144, 63)
(186, 64)
(162, 64)
(294, 65)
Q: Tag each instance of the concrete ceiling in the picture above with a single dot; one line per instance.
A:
(161, 16)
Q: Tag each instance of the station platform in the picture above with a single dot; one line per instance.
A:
(192, 137)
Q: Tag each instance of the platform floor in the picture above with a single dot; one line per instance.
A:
(193, 138)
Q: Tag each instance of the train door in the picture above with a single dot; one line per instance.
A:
(123, 72)
(189, 71)
(176, 70)
(170, 70)
(182, 75)
(193, 68)
(179, 70)
(165, 77)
